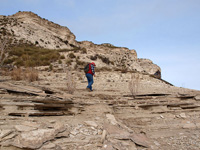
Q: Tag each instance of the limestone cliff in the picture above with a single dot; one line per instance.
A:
(29, 28)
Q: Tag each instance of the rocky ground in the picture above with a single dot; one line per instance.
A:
(42, 115)
(129, 109)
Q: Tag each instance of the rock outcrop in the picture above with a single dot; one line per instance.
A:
(29, 28)
(130, 108)
(41, 115)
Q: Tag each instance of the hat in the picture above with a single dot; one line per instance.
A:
(93, 64)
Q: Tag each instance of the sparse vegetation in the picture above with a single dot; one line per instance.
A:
(97, 69)
(74, 49)
(60, 61)
(69, 61)
(64, 50)
(28, 74)
(71, 55)
(103, 58)
(31, 74)
(50, 67)
(94, 57)
(124, 70)
(32, 56)
(80, 63)
(83, 51)
(16, 74)
(62, 57)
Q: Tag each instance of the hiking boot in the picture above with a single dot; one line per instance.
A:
(88, 89)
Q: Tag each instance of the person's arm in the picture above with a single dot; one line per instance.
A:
(92, 68)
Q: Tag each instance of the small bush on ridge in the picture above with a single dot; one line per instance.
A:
(17, 74)
(28, 74)
(29, 56)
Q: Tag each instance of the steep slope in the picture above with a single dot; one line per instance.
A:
(42, 115)
(28, 28)
(105, 119)
(119, 58)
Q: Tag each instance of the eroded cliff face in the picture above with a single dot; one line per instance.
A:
(117, 58)
(130, 110)
(148, 66)
(29, 28)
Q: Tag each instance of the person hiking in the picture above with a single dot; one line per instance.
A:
(89, 75)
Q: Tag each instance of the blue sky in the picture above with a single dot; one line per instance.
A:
(165, 31)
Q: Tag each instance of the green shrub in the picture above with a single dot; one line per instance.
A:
(9, 61)
(105, 69)
(103, 59)
(71, 55)
(69, 61)
(124, 70)
(80, 63)
(60, 61)
(50, 67)
(74, 49)
(83, 51)
(62, 57)
(94, 57)
(30, 56)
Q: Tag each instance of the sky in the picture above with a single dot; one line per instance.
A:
(164, 31)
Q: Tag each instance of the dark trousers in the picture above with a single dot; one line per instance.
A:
(90, 80)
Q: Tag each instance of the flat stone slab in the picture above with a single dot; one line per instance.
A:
(197, 97)
(4, 133)
(35, 139)
(23, 128)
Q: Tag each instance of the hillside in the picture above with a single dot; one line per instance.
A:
(130, 108)
(30, 29)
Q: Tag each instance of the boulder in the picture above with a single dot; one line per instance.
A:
(197, 97)
(111, 119)
(91, 123)
(23, 128)
(4, 133)
(35, 139)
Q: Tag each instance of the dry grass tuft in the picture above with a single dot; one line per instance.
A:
(28, 74)
(31, 75)
(17, 74)
(30, 56)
